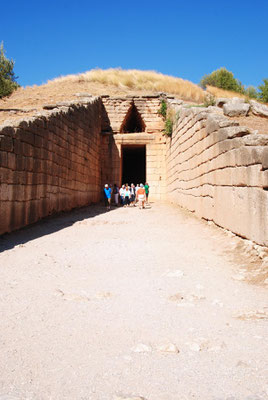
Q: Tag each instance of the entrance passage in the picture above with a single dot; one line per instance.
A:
(133, 164)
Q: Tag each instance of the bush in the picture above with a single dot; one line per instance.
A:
(223, 79)
(263, 95)
(163, 109)
(209, 101)
(251, 92)
(168, 127)
(7, 77)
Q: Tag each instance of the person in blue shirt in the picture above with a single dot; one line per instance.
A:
(107, 196)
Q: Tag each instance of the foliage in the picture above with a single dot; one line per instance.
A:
(7, 77)
(251, 92)
(163, 109)
(169, 116)
(263, 95)
(168, 126)
(222, 78)
(209, 101)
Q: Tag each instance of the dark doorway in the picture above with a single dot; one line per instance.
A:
(133, 164)
(133, 121)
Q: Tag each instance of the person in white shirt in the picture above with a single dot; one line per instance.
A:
(126, 196)
(122, 194)
(132, 194)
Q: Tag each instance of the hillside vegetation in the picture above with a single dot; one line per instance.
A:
(138, 80)
(97, 82)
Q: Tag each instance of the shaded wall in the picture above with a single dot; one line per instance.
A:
(219, 170)
(50, 163)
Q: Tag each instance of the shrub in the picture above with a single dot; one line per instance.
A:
(168, 127)
(251, 92)
(7, 77)
(222, 78)
(263, 95)
(209, 101)
(163, 109)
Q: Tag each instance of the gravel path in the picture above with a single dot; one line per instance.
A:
(129, 304)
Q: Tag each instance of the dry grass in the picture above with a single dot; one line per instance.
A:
(138, 80)
(217, 92)
(113, 82)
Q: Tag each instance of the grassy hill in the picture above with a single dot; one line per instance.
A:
(114, 82)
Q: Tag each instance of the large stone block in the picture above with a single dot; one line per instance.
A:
(259, 109)
(5, 212)
(216, 121)
(3, 159)
(236, 108)
(6, 143)
(244, 211)
(11, 161)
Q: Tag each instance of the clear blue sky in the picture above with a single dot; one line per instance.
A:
(182, 38)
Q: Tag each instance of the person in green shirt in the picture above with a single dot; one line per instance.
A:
(146, 187)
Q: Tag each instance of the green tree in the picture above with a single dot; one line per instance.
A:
(224, 79)
(264, 91)
(7, 77)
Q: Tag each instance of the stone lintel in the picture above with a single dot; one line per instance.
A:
(134, 138)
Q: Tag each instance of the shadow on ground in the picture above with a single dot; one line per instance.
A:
(50, 225)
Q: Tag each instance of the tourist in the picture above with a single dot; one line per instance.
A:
(141, 196)
(132, 194)
(126, 196)
(107, 196)
(146, 187)
(116, 194)
(121, 193)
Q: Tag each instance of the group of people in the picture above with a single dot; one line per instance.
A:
(127, 195)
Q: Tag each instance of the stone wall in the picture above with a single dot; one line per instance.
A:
(50, 163)
(116, 109)
(219, 170)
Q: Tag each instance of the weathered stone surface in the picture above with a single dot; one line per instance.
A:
(219, 173)
(258, 108)
(84, 94)
(265, 159)
(221, 101)
(215, 109)
(173, 101)
(234, 131)
(46, 170)
(255, 140)
(235, 108)
(216, 121)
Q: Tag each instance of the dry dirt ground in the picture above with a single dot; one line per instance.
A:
(130, 303)
(254, 122)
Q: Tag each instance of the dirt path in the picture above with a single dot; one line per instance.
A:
(96, 306)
